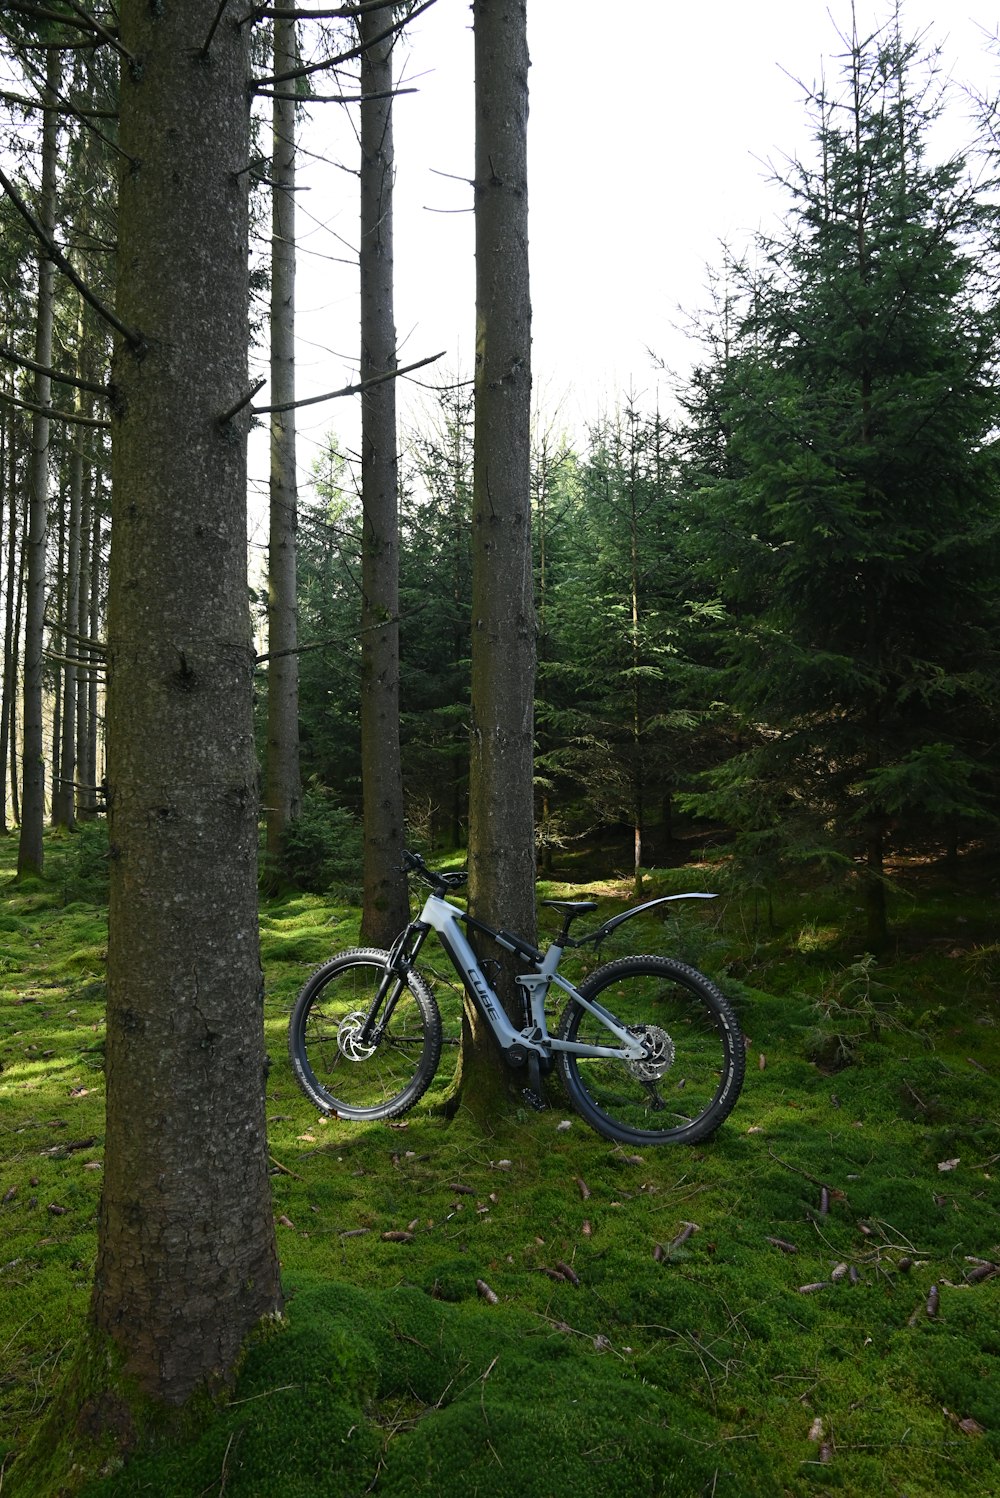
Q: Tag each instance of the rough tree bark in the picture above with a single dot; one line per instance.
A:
(501, 821)
(385, 903)
(283, 780)
(186, 1261)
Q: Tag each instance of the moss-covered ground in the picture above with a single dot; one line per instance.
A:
(544, 1321)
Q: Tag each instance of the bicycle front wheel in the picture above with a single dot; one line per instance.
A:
(691, 1075)
(378, 1076)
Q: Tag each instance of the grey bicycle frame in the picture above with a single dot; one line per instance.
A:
(439, 915)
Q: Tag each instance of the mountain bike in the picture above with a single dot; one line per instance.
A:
(648, 1050)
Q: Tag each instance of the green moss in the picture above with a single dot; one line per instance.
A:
(700, 1368)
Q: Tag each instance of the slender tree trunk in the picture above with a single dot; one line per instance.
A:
(81, 627)
(92, 772)
(283, 781)
(30, 853)
(55, 601)
(501, 812)
(638, 768)
(186, 1262)
(15, 779)
(9, 469)
(385, 902)
(64, 797)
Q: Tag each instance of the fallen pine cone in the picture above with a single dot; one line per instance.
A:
(683, 1236)
(490, 1296)
(568, 1273)
(398, 1235)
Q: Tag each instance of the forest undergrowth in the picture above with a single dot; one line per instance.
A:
(808, 1304)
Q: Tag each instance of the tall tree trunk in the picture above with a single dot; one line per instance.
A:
(64, 794)
(283, 781)
(9, 469)
(91, 765)
(501, 813)
(30, 854)
(186, 1262)
(385, 903)
(55, 603)
(81, 626)
(15, 779)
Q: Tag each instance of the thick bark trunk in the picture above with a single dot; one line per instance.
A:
(385, 904)
(186, 1261)
(501, 819)
(283, 782)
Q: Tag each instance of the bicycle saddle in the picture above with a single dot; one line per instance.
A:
(576, 906)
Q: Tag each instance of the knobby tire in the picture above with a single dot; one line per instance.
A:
(356, 1081)
(693, 1078)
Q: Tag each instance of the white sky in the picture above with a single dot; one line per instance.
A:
(651, 125)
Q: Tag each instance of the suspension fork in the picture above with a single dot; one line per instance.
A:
(401, 957)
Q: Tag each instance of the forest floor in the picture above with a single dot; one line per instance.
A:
(802, 1306)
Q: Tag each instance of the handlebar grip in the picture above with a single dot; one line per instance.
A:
(414, 864)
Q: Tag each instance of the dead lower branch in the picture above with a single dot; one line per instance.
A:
(359, 388)
(55, 254)
(244, 400)
(53, 414)
(6, 352)
(342, 57)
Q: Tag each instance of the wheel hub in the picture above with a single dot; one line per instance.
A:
(347, 1038)
(659, 1055)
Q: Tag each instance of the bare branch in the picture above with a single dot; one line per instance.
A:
(64, 379)
(106, 36)
(335, 62)
(21, 101)
(68, 634)
(244, 400)
(341, 640)
(40, 13)
(53, 414)
(57, 257)
(270, 93)
(345, 12)
(314, 400)
(213, 28)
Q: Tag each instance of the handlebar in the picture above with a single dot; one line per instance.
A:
(438, 879)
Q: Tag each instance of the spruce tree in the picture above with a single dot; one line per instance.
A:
(852, 515)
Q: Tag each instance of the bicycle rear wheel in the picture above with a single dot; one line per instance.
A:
(693, 1071)
(375, 1078)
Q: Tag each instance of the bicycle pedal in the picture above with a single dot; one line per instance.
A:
(534, 1099)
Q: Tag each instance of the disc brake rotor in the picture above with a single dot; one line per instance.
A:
(347, 1038)
(659, 1053)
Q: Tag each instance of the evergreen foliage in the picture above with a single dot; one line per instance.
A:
(851, 508)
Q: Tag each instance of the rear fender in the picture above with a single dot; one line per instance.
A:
(626, 915)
